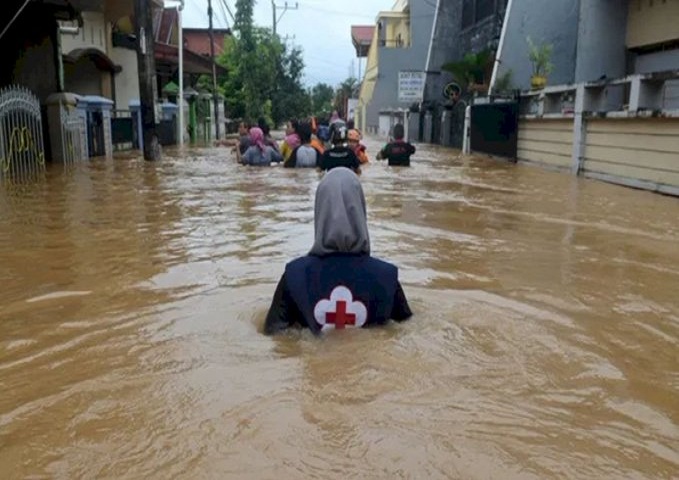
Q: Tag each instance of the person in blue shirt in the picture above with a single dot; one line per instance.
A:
(338, 284)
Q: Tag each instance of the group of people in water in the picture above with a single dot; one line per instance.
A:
(338, 284)
(311, 145)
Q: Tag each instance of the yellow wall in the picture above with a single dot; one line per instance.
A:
(548, 142)
(393, 26)
(368, 82)
(646, 150)
(652, 21)
(401, 28)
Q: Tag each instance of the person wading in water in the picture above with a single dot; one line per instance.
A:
(338, 284)
(340, 155)
(397, 152)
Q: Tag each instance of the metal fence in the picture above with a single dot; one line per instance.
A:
(22, 153)
(73, 136)
(494, 128)
(123, 132)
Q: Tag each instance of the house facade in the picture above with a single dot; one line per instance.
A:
(99, 51)
(460, 27)
(611, 107)
(400, 43)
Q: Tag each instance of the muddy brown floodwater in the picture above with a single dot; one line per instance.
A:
(545, 341)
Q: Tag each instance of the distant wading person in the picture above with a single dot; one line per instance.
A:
(397, 152)
(340, 155)
(338, 284)
(304, 156)
(258, 153)
(291, 140)
(354, 142)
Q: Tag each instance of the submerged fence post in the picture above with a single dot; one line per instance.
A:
(579, 130)
(466, 132)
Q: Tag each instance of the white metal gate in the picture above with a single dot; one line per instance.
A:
(22, 153)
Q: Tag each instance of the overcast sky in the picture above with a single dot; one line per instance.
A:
(321, 27)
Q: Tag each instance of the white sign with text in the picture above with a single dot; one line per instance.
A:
(411, 86)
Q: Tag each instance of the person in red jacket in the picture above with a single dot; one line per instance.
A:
(338, 284)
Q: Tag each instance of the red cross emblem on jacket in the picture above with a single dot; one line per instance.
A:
(340, 310)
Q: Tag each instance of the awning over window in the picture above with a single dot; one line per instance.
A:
(99, 58)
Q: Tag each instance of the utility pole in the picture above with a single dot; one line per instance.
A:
(215, 97)
(283, 7)
(147, 77)
(180, 100)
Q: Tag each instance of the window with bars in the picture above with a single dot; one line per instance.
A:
(474, 11)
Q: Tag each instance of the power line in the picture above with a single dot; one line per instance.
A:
(223, 12)
(283, 7)
(14, 18)
(226, 5)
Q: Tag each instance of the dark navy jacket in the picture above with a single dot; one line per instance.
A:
(337, 291)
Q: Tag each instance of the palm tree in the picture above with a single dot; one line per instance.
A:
(347, 89)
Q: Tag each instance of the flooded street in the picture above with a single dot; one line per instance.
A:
(544, 342)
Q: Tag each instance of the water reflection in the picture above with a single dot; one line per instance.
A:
(544, 342)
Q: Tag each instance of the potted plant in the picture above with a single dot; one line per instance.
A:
(473, 72)
(540, 57)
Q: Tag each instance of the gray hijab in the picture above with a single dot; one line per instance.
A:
(340, 223)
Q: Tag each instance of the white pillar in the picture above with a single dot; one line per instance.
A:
(466, 132)
(579, 130)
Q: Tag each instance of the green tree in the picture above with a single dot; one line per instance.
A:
(322, 96)
(264, 76)
(345, 90)
(251, 61)
(291, 100)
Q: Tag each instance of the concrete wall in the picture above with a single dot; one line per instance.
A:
(29, 55)
(546, 142)
(91, 35)
(651, 22)
(659, 61)
(556, 24)
(601, 40)
(450, 43)
(127, 80)
(84, 78)
(38, 58)
(393, 60)
(642, 153)
(444, 42)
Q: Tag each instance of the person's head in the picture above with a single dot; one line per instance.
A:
(243, 128)
(351, 124)
(398, 132)
(291, 126)
(353, 137)
(257, 137)
(335, 116)
(340, 219)
(304, 132)
(338, 133)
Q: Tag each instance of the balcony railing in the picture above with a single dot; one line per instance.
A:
(394, 43)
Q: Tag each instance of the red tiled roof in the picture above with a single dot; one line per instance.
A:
(362, 37)
(362, 33)
(198, 39)
(193, 63)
